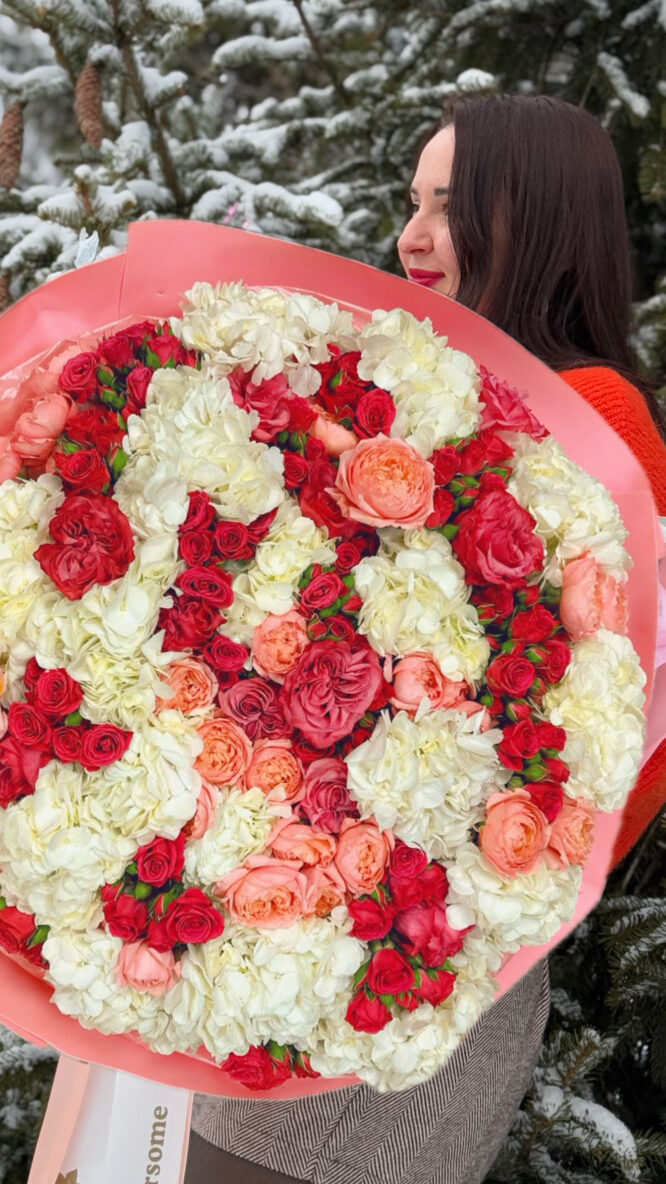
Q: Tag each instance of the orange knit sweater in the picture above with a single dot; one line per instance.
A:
(625, 409)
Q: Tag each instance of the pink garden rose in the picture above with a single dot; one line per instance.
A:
(419, 675)
(515, 833)
(227, 752)
(385, 482)
(504, 407)
(591, 600)
(276, 770)
(329, 690)
(278, 643)
(264, 893)
(571, 834)
(145, 969)
(497, 542)
(297, 841)
(10, 461)
(325, 889)
(326, 801)
(193, 683)
(335, 438)
(37, 429)
(362, 855)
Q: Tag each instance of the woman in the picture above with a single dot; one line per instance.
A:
(519, 214)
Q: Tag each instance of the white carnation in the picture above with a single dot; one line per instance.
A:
(599, 702)
(426, 778)
(574, 512)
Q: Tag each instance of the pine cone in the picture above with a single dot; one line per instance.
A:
(88, 104)
(11, 145)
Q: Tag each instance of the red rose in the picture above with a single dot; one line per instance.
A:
(301, 414)
(270, 398)
(434, 884)
(83, 470)
(436, 988)
(257, 1069)
(55, 693)
(256, 705)
(167, 348)
(446, 463)
(318, 505)
(536, 624)
(554, 665)
(232, 541)
(547, 796)
(504, 407)
(489, 481)
(79, 376)
(126, 917)
(487, 449)
(510, 674)
(138, 381)
(189, 623)
(161, 860)
(296, 469)
(372, 921)
(550, 736)
(496, 541)
(444, 504)
(494, 602)
(201, 511)
(259, 528)
(117, 351)
(92, 544)
(389, 973)
(140, 330)
(211, 584)
(191, 919)
(340, 628)
(427, 934)
(405, 891)
(19, 767)
(102, 744)
(315, 450)
(224, 654)
(375, 413)
(195, 546)
(519, 742)
(347, 555)
(557, 769)
(366, 1014)
(68, 742)
(98, 427)
(409, 1000)
(407, 861)
(16, 928)
(322, 591)
(327, 801)
(330, 688)
(29, 726)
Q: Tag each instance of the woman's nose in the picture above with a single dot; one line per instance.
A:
(415, 236)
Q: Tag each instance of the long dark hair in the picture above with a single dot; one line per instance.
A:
(537, 220)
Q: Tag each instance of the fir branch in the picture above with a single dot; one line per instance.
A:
(319, 52)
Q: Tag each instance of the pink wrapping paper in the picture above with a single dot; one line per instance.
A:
(163, 259)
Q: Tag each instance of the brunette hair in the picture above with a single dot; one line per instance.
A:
(537, 220)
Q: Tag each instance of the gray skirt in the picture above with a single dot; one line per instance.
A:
(446, 1131)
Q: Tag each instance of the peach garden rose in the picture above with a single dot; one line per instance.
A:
(571, 834)
(278, 643)
(193, 684)
(591, 600)
(362, 855)
(227, 752)
(515, 833)
(385, 482)
(276, 771)
(418, 675)
(264, 892)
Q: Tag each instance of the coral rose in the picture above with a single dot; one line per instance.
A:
(362, 854)
(571, 834)
(193, 684)
(38, 428)
(206, 810)
(278, 643)
(144, 969)
(264, 893)
(297, 841)
(385, 482)
(335, 438)
(591, 600)
(227, 752)
(515, 834)
(418, 676)
(325, 890)
(10, 462)
(276, 770)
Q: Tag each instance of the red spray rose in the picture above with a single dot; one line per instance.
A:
(375, 413)
(389, 973)
(445, 462)
(201, 511)
(138, 381)
(195, 546)
(191, 918)
(117, 351)
(161, 860)
(535, 624)
(504, 407)
(19, 768)
(327, 801)
(519, 742)
(211, 584)
(435, 989)
(79, 376)
(547, 796)
(224, 654)
(189, 623)
(270, 398)
(322, 591)
(257, 1069)
(16, 928)
(98, 427)
(82, 471)
(296, 469)
(232, 541)
(510, 674)
(126, 917)
(102, 744)
(29, 726)
(366, 1014)
(68, 742)
(55, 693)
(372, 921)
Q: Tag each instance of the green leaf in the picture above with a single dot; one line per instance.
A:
(73, 719)
(40, 935)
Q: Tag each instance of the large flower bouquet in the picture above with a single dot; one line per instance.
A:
(315, 680)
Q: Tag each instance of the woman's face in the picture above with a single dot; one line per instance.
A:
(425, 247)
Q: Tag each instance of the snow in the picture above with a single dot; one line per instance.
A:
(603, 1127)
(614, 71)
(471, 80)
(252, 48)
(37, 83)
(181, 12)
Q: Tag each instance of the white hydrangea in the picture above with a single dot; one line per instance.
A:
(267, 331)
(426, 778)
(516, 911)
(599, 702)
(243, 822)
(574, 512)
(435, 388)
(415, 598)
(25, 511)
(121, 690)
(292, 545)
(252, 986)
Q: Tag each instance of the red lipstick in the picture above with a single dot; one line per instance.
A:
(427, 278)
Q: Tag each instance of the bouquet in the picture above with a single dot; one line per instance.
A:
(316, 679)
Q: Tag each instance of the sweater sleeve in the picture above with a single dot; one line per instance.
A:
(624, 408)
